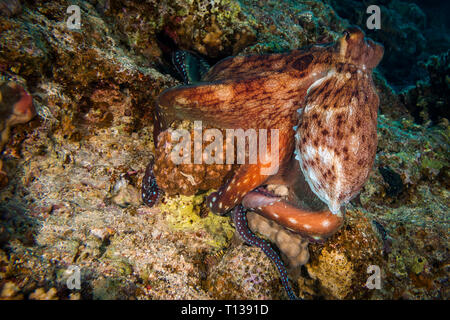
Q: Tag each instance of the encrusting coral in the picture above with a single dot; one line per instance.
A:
(292, 245)
(428, 101)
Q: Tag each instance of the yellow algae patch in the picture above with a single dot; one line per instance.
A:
(334, 271)
(184, 215)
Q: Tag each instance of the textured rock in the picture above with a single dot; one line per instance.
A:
(339, 266)
(244, 273)
(292, 245)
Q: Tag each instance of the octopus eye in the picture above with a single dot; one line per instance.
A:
(346, 34)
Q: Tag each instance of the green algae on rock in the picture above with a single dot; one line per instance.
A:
(184, 215)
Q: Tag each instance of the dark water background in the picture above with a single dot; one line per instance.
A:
(410, 36)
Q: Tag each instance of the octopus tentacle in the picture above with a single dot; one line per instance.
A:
(246, 178)
(315, 225)
(250, 176)
(190, 66)
(240, 222)
(150, 190)
(179, 61)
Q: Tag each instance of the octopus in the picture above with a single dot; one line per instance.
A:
(323, 104)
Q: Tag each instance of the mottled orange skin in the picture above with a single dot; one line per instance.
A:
(185, 179)
(337, 135)
(323, 102)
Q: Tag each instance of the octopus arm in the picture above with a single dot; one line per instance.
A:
(315, 225)
(250, 176)
(246, 178)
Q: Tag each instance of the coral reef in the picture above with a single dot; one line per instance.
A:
(416, 219)
(428, 101)
(211, 28)
(10, 8)
(244, 273)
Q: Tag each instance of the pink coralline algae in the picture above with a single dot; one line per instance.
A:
(16, 107)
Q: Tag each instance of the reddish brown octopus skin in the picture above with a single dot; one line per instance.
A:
(323, 102)
(185, 179)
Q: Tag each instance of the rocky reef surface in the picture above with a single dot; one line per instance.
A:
(76, 169)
